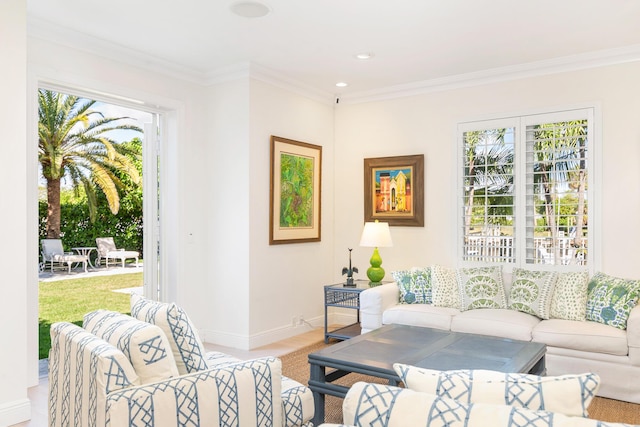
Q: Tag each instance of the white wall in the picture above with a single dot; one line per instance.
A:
(254, 289)
(287, 280)
(14, 404)
(426, 124)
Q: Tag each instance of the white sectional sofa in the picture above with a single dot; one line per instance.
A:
(573, 346)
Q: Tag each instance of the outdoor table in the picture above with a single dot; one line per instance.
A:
(86, 251)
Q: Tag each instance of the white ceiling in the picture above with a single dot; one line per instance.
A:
(312, 43)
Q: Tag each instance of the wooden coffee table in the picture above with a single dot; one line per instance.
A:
(374, 354)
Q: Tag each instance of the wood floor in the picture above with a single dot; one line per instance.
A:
(38, 395)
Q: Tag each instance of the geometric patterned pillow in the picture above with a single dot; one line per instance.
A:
(369, 404)
(414, 285)
(569, 299)
(444, 287)
(611, 299)
(188, 350)
(481, 287)
(531, 291)
(145, 345)
(565, 394)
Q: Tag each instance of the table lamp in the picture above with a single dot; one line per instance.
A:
(376, 235)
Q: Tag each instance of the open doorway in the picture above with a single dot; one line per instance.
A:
(96, 173)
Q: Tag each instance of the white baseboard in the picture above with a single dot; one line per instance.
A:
(15, 412)
(244, 342)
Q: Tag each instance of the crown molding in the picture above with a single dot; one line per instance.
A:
(564, 64)
(44, 30)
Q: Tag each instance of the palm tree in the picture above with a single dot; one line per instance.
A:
(73, 144)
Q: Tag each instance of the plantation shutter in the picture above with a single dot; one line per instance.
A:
(556, 192)
(488, 203)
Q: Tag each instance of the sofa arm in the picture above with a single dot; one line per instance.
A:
(374, 301)
(633, 335)
(246, 393)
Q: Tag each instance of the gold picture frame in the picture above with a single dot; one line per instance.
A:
(394, 190)
(295, 190)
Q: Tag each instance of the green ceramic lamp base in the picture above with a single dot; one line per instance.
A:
(375, 273)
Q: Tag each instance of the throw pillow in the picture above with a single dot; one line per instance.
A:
(481, 287)
(414, 285)
(569, 299)
(610, 299)
(531, 291)
(368, 404)
(188, 350)
(444, 287)
(145, 345)
(565, 394)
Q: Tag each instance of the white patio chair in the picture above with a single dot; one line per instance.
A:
(53, 253)
(107, 250)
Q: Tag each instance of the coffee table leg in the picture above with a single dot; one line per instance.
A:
(317, 374)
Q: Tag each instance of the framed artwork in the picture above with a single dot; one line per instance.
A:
(296, 175)
(394, 190)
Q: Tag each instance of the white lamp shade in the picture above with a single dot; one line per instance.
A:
(376, 235)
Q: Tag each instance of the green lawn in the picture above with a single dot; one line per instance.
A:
(69, 300)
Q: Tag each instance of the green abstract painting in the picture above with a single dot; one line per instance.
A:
(296, 191)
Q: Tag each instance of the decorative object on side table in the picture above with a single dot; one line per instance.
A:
(376, 235)
(349, 271)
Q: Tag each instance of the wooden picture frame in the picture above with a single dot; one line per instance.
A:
(295, 190)
(394, 190)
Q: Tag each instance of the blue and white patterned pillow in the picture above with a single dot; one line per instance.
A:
(369, 404)
(414, 285)
(188, 350)
(565, 394)
(146, 345)
(611, 299)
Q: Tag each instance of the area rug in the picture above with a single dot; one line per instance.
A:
(296, 365)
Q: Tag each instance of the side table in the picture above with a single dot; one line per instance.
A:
(86, 251)
(341, 295)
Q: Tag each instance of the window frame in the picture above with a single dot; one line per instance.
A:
(520, 122)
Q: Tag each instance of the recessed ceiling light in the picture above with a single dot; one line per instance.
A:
(250, 9)
(364, 55)
(342, 84)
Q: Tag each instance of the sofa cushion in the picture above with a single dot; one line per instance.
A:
(481, 287)
(445, 287)
(425, 315)
(611, 299)
(569, 299)
(146, 345)
(531, 291)
(188, 350)
(583, 336)
(565, 394)
(386, 406)
(497, 322)
(414, 285)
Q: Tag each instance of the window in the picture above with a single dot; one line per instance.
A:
(526, 184)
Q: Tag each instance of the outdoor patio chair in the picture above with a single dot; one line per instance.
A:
(107, 250)
(53, 253)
